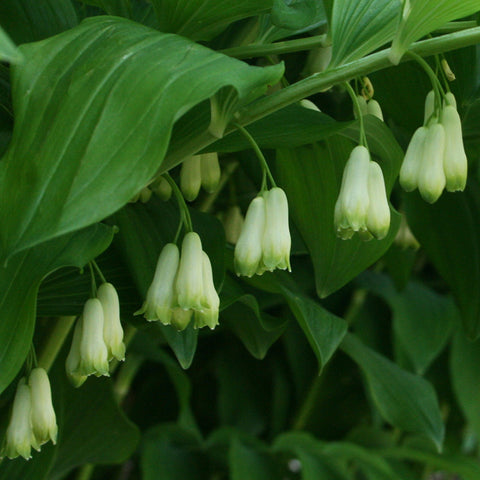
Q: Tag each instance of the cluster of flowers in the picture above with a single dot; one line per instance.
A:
(435, 157)
(264, 242)
(183, 287)
(199, 171)
(362, 204)
(33, 421)
(98, 337)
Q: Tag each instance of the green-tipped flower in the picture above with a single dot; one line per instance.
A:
(189, 281)
(455, 160)
(353, 201)
(19, 438)
(431, 177)
(373, 108)
(72, 363)
(378, 214)
(413, 160)
(181, 318)
(44, 421)
(93, 351)
(276, 241)
(248, 251)
(209, 315)
(162, 189)
(112, 327)
(210, 171)
(429, 106)
(191, 177)
(160, 295)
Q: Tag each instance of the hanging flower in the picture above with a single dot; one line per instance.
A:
(191, 177)
(210, 171)
(73, 359)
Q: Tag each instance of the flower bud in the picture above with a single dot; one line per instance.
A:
(72, 363)
(431, 177)
(93, 351)
(209, 315)
(19, 437)
(373, 108)
(305, 103)
(162, 189)
(362, 104)
(429, 106)
(190, 177)
(450, 99)
(233, 224)
(112, 327)
(44, 421)
(352, 203)
(248, 251)
(210, 171)
(160, 295)
(145, 195)
(190, 276)
(378, 215)
(413, 160)
(455, 163)
(276, 241)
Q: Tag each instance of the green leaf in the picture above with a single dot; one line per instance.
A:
(121, 8)
(183, 344)
(311, 177)
(422, 319)
(31, 20)
(360, 26)
(8, 50)
(465, 375)
(19, 283)
(204, 19)
(296, 14)
(172, 453)
(97, 105)
(404, 400)
(424, 16)
(449, 232)
(92, 428)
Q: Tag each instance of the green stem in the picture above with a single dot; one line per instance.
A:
(85, 473)
(100, 274)
(207, 204)
(126, 375)
(308, 406)
(55, 341)
(258, 152)
(94, 283)
(181, 203)
(322, 81)
(356, 106)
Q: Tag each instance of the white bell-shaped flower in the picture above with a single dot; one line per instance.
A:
(248, 250)
(276, 241)
(191, 177)
(455, 163)
(189, 282)
(431, 177)
(353, 201)
(413, 160)
(93, 351)
(160, 294)
(72, 363)
(429, 106)
(378, 215)
(210, 171)
(19, 438)
(112, 327)
(374, 108)
(44, 421)
(209, 315)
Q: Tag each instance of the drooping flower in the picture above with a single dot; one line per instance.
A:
(72, 363)
(93, 350)
(233, 223)
(378, 214)
(413, 160)
(19, 438)
(44, 421)
(374, 108)
(210, 171)
(208, 316)
(112, 327)
(191, 177)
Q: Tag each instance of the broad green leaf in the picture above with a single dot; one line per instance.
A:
(19, 283)
(172, 453)
(360, 26)
(465, 375)
(252, 463)
(97, 104)
(144, 230)
(287, 128)
(323, 330)
(296, 14)
(422, 319)
(8, 50)
(121, 8)
(420, 17)
(449, 232)
(92, 428)
(31, 20)
(311, 177)
(203, 19)
(406, 401)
